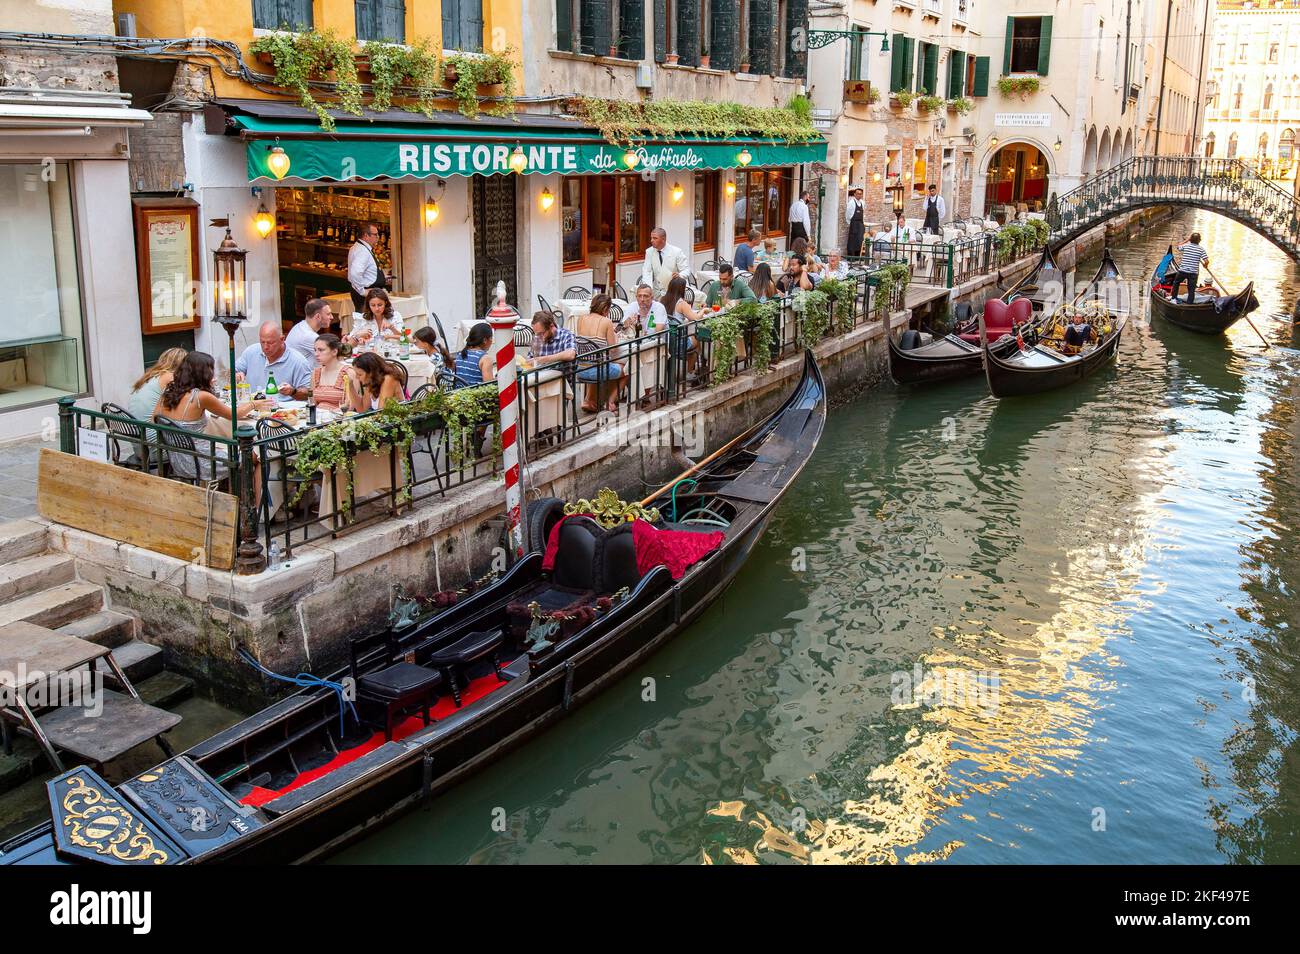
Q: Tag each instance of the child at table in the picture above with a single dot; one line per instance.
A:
(444, 366)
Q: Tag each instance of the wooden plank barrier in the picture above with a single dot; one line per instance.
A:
(162, 515)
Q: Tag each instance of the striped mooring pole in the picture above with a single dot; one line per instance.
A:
(502, 319)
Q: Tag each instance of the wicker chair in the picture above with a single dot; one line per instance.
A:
(184, 460)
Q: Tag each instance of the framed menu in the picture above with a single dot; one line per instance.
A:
(167, 263)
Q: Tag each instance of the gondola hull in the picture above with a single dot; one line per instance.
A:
(1202, 318)
(339, 807)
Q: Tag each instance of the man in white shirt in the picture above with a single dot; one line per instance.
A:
(317, 318)
(645, 314)
(663, 263)
(935, 212)
(364, 272)
(800, 220)
(854, 212)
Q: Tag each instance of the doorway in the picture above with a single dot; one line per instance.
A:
(496, 255)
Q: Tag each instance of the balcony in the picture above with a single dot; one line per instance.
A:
(932, 8)
(962, 11)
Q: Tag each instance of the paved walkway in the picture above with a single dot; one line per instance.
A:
(18, 478)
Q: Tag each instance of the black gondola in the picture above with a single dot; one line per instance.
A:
(1209, 314)
(298, 779)
(1045, 363)
(958, 354)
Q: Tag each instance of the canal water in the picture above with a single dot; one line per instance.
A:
(1055, 629)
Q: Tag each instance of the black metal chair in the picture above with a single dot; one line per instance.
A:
(136, 435)
(428, 443)
(183, 457)
(544, 305)
(577, 291)
(399, 369)
(396, 688)
(616, 314)
(620, 292)
(704, 289)
(278, 443)
(523, 336)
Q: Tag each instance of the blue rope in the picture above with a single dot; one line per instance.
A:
(305, 680)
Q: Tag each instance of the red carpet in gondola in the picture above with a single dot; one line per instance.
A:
(477, 689)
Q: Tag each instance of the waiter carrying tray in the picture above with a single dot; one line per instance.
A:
(364, 272)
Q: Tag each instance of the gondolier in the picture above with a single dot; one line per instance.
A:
(1191, 255)
(934, 211)
(853, 215)
(364, 272)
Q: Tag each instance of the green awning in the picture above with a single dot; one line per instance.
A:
(379, 151)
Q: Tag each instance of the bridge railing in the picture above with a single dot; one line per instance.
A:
(1227, 185)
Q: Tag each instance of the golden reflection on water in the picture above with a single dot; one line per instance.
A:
(1002, 698)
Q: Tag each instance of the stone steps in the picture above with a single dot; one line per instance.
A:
(56, 606)
(137, 659)
(20, 538)
(110, 628)
(32, 573)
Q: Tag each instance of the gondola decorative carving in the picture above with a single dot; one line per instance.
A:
(609, 510)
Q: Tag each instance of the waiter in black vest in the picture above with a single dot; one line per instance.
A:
(364, 272)
(853, 215)
(934, 211)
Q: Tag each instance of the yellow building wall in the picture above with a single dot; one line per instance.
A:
(232, 20)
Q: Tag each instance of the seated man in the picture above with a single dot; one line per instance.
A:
(726, 289)
(270, 358)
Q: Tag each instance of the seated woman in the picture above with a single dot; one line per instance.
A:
(444, 366)
(597, 328)
(373, 384)
(329, 377)
(186, 403)
(679, 312)
(149, 387)
(762, 284)
(474, 364)
(379, 320)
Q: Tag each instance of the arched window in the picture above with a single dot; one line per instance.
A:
(1286, 145)
(1232, 146)
(1263, 145)
(1209, 145)
(1268, 96)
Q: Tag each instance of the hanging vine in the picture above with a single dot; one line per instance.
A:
(891, 283)
(621, 122)
(728, 328)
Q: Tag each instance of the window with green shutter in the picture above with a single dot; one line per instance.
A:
(596, 27)
(796, 51)
(381, 20)
(927, 63)
(462, 26)
(631, 29)
(897, 53)
(1027, 46)
(956, 74)
(980, 78)
(688, 32)
(761, 30)
(723, 41)
(857, 44)
(282, 14)
(565, 36)
(909, 54)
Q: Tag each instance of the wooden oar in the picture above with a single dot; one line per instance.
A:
(686, 473)
(1213, 278)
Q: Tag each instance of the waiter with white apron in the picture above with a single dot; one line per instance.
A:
(364, 272)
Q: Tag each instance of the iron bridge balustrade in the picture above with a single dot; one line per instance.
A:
(1230, 187)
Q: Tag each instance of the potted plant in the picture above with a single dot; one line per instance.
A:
(704, 57)
(930, 104)
(961, 105)
(902, 98)
(670, 59)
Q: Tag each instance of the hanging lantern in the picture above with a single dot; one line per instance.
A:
(228, 278)
(431, 212)
(744, 157)
(630, 158)
(1057, 146)
(263, 221)
(518, 161)
(546, 199)
(730, 188)
(678, 192)
(277, 162)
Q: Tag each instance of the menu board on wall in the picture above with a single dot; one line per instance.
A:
(167, 264)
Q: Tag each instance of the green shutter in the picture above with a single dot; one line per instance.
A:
(796, 55)
(595, 27)
(909, 45)
(1006, 50)
(930, 80)
(471, 26)
(1045, 47)
(688, 32)
(760, 36)
(956, 74)
(631, 29)
(661, 30)
(855, 55)
(723, 19)
(980, 81)
(897, 53)
(366, 15)
(392, 20)
(563, 24)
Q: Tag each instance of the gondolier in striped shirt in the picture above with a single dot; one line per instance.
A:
(1191, 255)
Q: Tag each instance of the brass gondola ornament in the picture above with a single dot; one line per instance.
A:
(609, 510)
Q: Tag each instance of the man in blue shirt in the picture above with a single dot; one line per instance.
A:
(270, 356)
(745, 251)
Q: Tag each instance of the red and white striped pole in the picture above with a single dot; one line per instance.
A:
(502, 319)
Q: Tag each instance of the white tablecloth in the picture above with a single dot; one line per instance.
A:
(412, 308)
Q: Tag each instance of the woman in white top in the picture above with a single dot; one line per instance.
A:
(379, 320)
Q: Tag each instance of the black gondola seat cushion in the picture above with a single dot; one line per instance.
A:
(400, 680)
(454, 660)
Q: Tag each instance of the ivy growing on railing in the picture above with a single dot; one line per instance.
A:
(726, 329)
(815, 307)
(304, 56)
(842, 292)
(891, 282)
